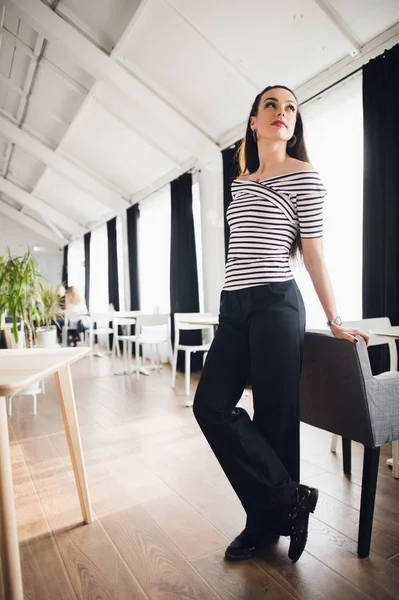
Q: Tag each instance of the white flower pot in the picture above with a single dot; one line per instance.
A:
(46, 338)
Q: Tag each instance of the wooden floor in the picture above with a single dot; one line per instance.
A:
(164, 511)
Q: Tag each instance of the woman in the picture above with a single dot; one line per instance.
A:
(276, 212)
(76, 308)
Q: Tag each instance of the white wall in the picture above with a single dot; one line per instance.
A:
(212, 225)
(18, 238)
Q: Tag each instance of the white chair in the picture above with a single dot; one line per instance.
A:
(33, 392)
(182, 323)
(68, 316)
(36, 388)
(128, 339)
(380, 324)
(153, 331)
(99, 326)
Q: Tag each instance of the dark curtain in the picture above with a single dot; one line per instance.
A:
(113, 283)
(381, 195)
(86, 239)
(133, 215)
(184, 295)
(230, 172)
(65, 266)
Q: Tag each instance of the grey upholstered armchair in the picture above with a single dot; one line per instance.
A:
(340, 394)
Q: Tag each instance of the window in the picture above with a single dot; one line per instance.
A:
(333, 125)
(198, 242)
(121, 244)
(99, 270)
(76, 265)
(154, 252)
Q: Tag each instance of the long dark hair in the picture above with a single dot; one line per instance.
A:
(248, 157)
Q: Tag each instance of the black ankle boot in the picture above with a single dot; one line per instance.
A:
(298, 519)
(249, 543)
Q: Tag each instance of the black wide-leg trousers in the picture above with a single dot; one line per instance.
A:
(260, 337)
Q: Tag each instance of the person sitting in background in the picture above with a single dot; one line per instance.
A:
(61, 301)
(75, 306)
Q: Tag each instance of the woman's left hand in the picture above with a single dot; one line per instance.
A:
(346, 333)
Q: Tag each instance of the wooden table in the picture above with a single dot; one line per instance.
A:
(18, 370)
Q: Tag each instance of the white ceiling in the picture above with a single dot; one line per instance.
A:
(104, 101)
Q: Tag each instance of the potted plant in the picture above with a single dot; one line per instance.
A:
(52, 311)
(20, 281)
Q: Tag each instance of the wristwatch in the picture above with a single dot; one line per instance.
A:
(336, 321)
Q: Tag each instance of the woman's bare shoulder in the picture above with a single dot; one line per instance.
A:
(300, 165)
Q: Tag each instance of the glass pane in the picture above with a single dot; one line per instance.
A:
(333, 125)
(154, 252)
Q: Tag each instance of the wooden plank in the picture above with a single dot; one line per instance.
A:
(184, 526)
(151, 472)
(309, 578)
(239, 581)
(160, 568)
(375, 576)
(94, 566)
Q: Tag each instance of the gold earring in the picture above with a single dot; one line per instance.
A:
(292, 142)
(254, 135)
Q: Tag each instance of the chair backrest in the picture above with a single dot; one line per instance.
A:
(380, 324)
(182, 321)
(154, 325)
(333, 391)
(101, 319)
(125, 323)
(154, 320)
(127, 314)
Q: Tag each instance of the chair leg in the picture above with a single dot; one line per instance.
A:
(174, 367)
(170, 352)
(334, 443)
(138, 358)
(187, 371)
(34, 404)
(158, 357)
(10, 406)
(113, 354)
(126, 363)
(395, 459)
(369, 486)
(347, 456)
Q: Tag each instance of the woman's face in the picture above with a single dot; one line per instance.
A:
(276, 116)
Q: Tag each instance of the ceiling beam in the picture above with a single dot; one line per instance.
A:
(328, 77)
(348, 65)
(79, 177)
(31, 224)
(341, 24)
(41, 207)
(104, 68)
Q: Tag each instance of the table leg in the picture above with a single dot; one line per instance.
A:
(9, 548)
(66, 396)
(395, 459)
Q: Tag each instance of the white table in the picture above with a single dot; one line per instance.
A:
(211, 320)
(18, 370)
(393, 332)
